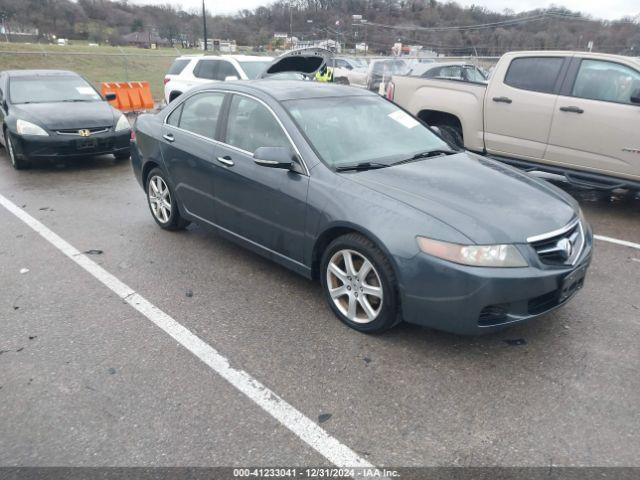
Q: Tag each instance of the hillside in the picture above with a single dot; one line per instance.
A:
(445, 27)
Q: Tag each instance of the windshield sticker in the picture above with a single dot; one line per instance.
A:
(86, 91)
(404, 119)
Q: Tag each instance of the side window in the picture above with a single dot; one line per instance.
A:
(206, 69)
(606, 81)
(225, 69)
(177, 67)
(538, 74)
(251, 125)
(200, 114)
(174, 118)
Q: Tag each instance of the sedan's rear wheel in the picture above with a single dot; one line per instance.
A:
(162, 202)
(359, 284)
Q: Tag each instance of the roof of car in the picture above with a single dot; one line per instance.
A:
(31, 73)
(298, 89)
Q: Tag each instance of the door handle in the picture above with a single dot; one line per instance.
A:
(571, 109)
(226, 160)
(502, 99)
(169, 137)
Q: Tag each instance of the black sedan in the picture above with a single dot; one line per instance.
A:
(343, 186)
(54, 114)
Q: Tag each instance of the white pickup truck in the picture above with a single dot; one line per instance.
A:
(571, 113)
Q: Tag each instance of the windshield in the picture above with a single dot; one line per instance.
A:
(390, 66)
(254, 69)
(358, 62)
(475, 75)
(349, 130)
(58, 88)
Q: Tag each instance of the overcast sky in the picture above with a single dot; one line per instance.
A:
(609, 9)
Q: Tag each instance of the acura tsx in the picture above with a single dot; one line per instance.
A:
(343, 186)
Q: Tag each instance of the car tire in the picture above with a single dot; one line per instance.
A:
(451, 135)
(372, 312)
(123, 155)
(162, 202)
(17, 163)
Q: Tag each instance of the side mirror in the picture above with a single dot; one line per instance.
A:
(275, 157)
(436, 129)
(230, 78)
(110, 96)
(635, 96)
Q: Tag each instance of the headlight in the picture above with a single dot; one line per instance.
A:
(27, 128)
(123, 124)
(474, 255)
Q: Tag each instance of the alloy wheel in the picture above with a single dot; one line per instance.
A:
(354, 286)
(160, 199)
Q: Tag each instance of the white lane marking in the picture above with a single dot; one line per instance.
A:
(302, 426)
(624, 243)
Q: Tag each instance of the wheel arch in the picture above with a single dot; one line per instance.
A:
(146, 169)
(333, 231)
(437, 117)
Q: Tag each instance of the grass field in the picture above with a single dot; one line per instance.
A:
(98, 64)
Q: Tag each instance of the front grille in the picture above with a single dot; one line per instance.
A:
(75, 131)
(562, 247)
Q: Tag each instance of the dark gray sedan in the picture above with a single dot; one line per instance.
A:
(341, 185)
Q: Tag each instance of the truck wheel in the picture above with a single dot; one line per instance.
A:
(451, 135)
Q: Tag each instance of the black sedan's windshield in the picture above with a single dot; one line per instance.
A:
(51, 88)
(351, 130)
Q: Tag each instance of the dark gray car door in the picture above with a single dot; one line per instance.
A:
(2, 103)
(189, 151)
(266, 206)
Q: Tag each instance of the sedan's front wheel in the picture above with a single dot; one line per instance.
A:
(359, 284)
(17, 163)
(162, 202)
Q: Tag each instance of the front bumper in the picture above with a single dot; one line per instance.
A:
(473, 301)
(56, 146)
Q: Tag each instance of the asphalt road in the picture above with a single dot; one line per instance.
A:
(86, 380)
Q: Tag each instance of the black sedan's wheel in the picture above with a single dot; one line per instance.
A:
(359, 284)
(17, 163)
(162, 202)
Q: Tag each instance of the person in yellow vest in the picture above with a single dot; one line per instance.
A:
(325, 74)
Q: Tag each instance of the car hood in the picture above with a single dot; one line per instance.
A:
(484, 200)
(67, 115)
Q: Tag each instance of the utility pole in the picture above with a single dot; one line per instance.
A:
(291, 22)
(204, 25)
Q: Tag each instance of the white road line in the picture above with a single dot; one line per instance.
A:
(316, 437)
(624, 243)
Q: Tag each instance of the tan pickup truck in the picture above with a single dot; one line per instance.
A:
(572, 113)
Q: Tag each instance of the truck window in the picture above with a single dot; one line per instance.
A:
(534, 73)
(606, 81)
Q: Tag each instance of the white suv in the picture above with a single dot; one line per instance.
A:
(191, 70)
